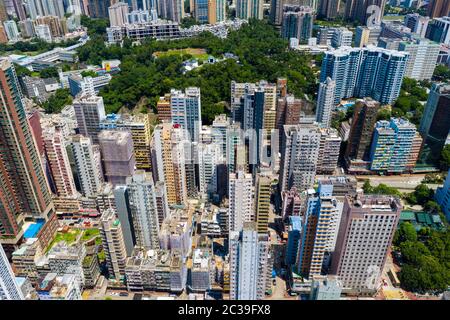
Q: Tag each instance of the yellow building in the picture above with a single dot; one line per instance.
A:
(263, 191)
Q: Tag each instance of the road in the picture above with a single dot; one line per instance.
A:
(405, 183)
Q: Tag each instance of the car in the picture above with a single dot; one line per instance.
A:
(123, 294)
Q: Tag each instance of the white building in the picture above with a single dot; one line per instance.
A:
(86, 164)
(118, 14)
(43, 32)
(89, 111)
(186, 111)
(240, 194)
(248, 264)
(9, 290)
(143, 207)
(423, 56)
(12, 32)
(299, 156)
(325, 102)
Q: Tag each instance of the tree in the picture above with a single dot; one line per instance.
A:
(57, 101)
(445, 157)
(21, 71)
(406, 232)
(441, 73)
(50, 72)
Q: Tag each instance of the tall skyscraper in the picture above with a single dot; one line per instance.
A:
(248, 263)
(297, 22)
(89, 111)
(329, 148)
(171, 9)
(438, 30)
(186, 111)
(365, 11)
(3, 12)
(117, 155)
(365, 235)
(9, 289)
(325, 102)
(123, 210)
(363, 124)
(201, 11)
(169, 164)
(423, 56)
(246, 9)
(216, 11)
(58, 162)
(392, 145)
(85, 161)
(329, 9)
(240, 193)
(24, 190)
(319, 234)
(417, 23)
(438, 8)
(11, 30)
(118, 14)
(99, 8)
(262, 202)
(299, 155)
(435, 124)
(113, 244)
(143, 208)
(365, 72)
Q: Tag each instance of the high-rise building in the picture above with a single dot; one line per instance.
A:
(288, 111)
(365, 72)
(201, 10)
(209, 158)
(262, 202)
(329, 9)
(118, 14)
(341, 37)
(58, 162)
(294, 238)
(99, 8)
(240, 193)
(163, 107)
(143, 208)
(3, 12)
(365, 11)
(216, 11)
(246, 9)
(423, 55)
(11, 30)
(9, 289)
(169, 164)
(248, 263)
(365, 36)
(297, 22)
(365, 235)
(117, 155)
(123, 210)
(325, 102)
(89, 111)
(363, 124)
(85, 161)
(299, 154)
(443, 196)
(113, 244)
(435, 124)
(438, 30)
(24, 190)
(330, 144)
(140, 128)
(392, 145)
(186, 111)
(438, 8)
(171, 9)
(320, 230)
(417, 23)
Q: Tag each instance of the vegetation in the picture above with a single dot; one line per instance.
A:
(89, 73)
(441, 73)
(433, 178)
(57, 101)
(89, 234)
(34, 46)
(188, 22)
(96, 27)
(50, 72)
(68, 237)
(445, 157)
(262, 55)
(22, 71)
(380, 189)
(410, 103)
(424, 258)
